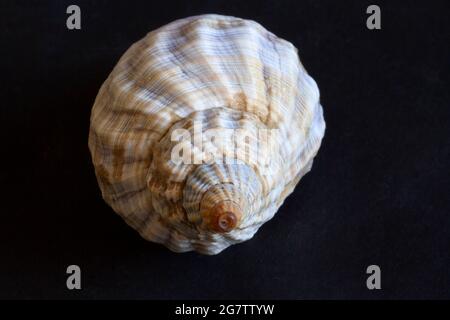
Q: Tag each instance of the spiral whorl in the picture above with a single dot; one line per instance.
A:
(217, 196)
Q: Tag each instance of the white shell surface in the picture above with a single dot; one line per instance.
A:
(223, 72)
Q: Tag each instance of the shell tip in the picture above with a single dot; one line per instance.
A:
(224, 217)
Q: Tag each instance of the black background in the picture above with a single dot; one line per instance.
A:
(378, 192)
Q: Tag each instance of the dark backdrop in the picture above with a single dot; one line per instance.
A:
(378, 192)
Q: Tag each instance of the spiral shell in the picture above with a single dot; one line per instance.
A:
(195, 76)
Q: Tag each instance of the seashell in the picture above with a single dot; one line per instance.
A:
(225, 78)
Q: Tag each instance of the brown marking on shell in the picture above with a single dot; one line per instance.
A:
(223, 217)
(167, 189)
(239, 101)
(118, 160)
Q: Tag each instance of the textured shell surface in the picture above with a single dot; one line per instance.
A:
(194, 76)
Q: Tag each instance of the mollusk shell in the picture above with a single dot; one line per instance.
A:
(222, 72)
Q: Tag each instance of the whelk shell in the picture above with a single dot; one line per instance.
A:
(195, 76)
